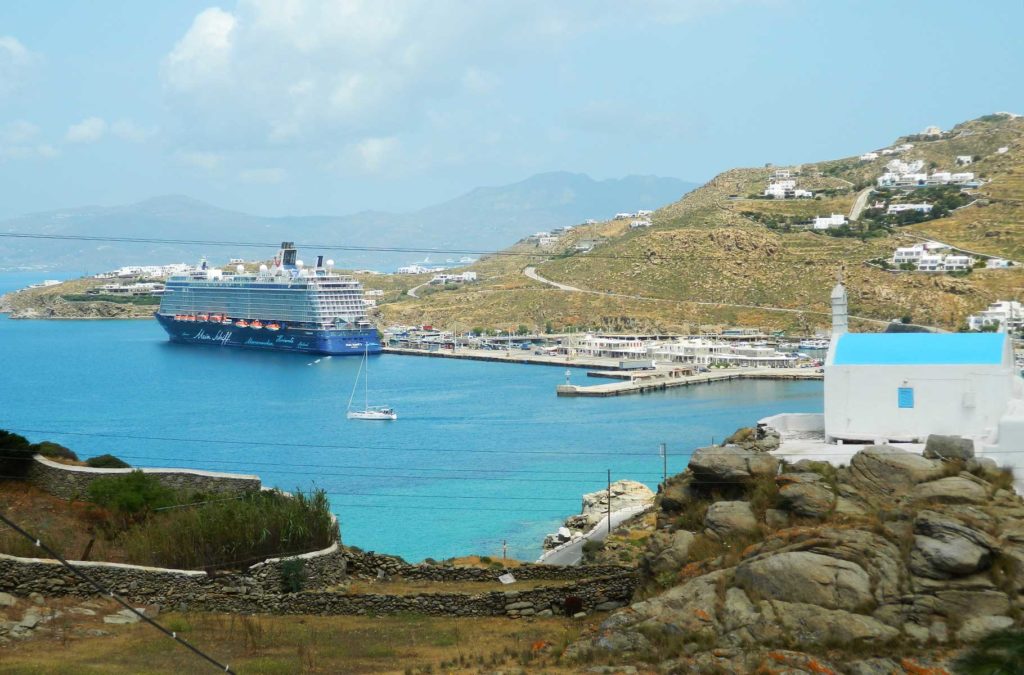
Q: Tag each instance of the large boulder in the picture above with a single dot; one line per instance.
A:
(805, 577)
(728, 519)
(675, 553)
(731, 464)
(624, 494)
(952, 490)
(948, 447)
(946, 547)
(805, 494)
(885, 470)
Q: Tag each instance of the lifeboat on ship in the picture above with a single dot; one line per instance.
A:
(179, 317)
(242, 323)
(202, 317)
(256, 324)
(227, 321)
(273, 326)
(215, 318)
(190, 317)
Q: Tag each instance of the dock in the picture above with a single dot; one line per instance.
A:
(511, 356)
(654, 382)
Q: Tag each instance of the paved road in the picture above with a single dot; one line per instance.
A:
(859, 203)
(572, 552)
(412, 291)
(531, 272)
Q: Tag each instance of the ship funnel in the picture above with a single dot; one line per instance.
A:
(319, 261)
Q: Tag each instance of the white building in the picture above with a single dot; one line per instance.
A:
(373, 292)
(615, 348)
(904, 147)
(414, 269)
(639, 223)
(781, 173)
(998, 263)
(905, 386)
(624, 216)
(1003, 150)
(932, 131)
(697, 351)
(962, 177)
(827, 222)
(869, 156)
(644, 213)
(786, 189)
(1006, 315)
(463, 278)
(964, 160)
(923, 207)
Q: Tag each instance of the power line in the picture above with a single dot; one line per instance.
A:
(803, 259)
(107, 592)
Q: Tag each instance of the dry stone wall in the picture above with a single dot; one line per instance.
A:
(72, 482)
(258, 589)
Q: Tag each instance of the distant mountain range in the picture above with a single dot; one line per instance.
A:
(486, 218)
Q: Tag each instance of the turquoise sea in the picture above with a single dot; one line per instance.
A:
(482, 452)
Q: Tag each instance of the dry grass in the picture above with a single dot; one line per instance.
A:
(419, 587)
(305, 644)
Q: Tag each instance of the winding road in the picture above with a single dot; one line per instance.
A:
(859, 203)
(412, 291)
(532, 273)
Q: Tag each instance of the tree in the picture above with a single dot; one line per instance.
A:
(549, 327)
(906, 318)
(523, 329)
(15, 454)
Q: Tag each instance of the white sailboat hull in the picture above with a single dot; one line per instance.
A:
(371, 415)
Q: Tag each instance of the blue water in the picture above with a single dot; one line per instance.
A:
(482, 452)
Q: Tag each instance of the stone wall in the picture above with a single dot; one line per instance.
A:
(258, 589)
(72, 482)
(371, 565)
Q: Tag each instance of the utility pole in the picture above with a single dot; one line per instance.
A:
(609, 501)
(664, 464)
(504, 549)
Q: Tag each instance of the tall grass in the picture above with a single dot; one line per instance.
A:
(233, 534)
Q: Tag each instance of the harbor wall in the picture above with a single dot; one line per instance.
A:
(72, 482)
(258, 588)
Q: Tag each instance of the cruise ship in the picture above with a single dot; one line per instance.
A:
(286, 307)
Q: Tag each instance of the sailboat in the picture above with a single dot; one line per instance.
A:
(368, 412)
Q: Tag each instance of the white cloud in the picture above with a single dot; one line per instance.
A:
(20, 140)
(373, 154)
(127, 130)
(203, 56)
(89, 130)
(15, 61)
(262, 176)
(202, 160)
(18, 132)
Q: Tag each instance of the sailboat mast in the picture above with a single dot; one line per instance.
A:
(366, 381)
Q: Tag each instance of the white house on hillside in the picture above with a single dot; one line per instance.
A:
(827, 222)
(1006, 315)
(964, 160)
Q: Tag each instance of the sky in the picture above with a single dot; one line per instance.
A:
(298, 107)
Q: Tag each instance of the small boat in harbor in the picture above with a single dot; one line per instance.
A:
(368, 412)
(814, 344)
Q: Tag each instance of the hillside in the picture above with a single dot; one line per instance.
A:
(486, 219)
(719, 244)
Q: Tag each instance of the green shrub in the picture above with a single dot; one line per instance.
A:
(107, 462)
(592, 546)
(293, 575)
(15, 454)
(234, 533)
(55, 451)
(130, 495)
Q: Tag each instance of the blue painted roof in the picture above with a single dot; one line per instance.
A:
(919, 349)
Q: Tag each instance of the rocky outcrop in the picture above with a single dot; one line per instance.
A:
(948, 447)
(731, 464)
(890, 550)
(730, 519)
(624, 494)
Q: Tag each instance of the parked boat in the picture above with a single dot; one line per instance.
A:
(814, 344)
(368, 412)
